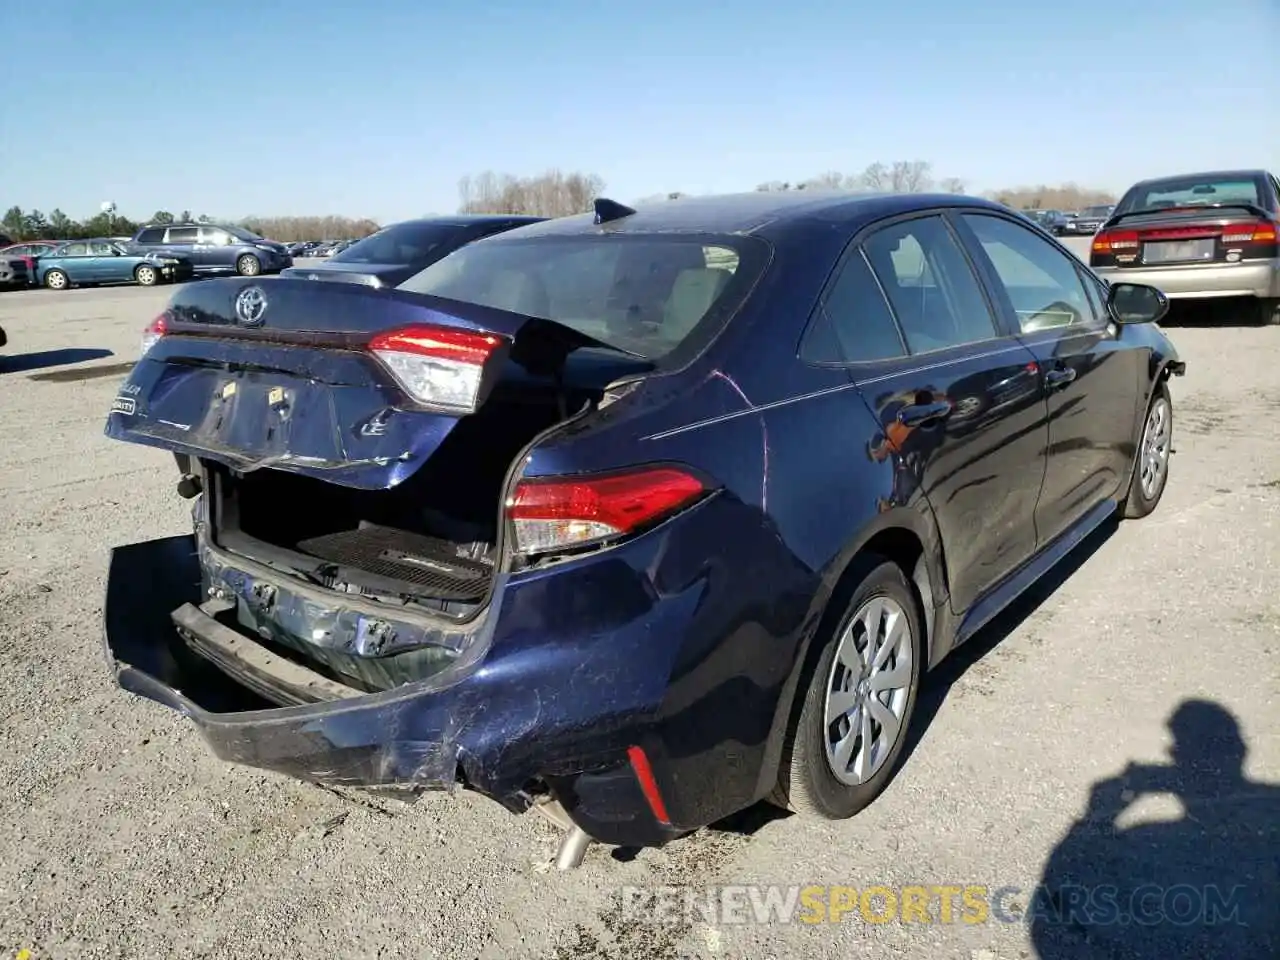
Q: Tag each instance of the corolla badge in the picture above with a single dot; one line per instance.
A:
(251, 306)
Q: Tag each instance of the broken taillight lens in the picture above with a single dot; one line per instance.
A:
(438, 366)
(156, 329)
(558, 513)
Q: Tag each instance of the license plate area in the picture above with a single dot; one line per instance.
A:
(1179, 251)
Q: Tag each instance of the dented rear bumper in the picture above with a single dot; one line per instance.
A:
(533, 715)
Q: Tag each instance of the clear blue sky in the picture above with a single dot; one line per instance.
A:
(282, 107)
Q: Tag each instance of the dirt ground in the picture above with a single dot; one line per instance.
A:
(120, 836)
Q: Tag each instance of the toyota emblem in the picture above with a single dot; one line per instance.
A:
(251, 305)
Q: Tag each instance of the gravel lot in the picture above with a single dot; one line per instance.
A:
(121, 837)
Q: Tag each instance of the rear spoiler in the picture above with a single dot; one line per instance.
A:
(1253, 208)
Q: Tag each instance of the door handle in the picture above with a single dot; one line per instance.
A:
(1059, 378)
(925, 414)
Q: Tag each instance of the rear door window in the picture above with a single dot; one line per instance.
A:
(644, 294)
(854, 323)
(182, 235)
(74, 250)
(930, 285)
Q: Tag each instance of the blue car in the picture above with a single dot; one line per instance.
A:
(83, 262)
(215, 248)
(638, 517)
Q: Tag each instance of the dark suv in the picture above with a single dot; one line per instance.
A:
(215, 248)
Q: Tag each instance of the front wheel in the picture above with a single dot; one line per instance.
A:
(1151, 470)
(56, 280)
(858, 704)
(146, 275)
(248, 265)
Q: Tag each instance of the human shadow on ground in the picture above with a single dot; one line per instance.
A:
(1203, 885)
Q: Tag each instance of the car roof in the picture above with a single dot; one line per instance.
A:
(748, 213)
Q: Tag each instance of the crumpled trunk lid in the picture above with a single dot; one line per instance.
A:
(277, 373)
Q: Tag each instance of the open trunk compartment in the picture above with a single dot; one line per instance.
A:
(429, 540)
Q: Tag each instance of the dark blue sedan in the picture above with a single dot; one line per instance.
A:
(82, 262)
(640, 517)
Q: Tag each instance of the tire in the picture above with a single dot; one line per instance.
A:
(247, 265)
(1143, 497)
(56, 280)
(1269, 312)
(807, 781)
(146, 275)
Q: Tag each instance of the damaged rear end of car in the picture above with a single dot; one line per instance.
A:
(379, 591)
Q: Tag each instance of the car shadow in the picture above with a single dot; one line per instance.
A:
(1144, 885)
(1227, 312)
(938, 682)
(26, 362)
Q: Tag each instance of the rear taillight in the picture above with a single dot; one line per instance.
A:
(560, 513)
(156, 329)
(1111, 240)
(439, 366)
(1264, 231)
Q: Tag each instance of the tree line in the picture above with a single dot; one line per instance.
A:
(554, 193)
(35, 225)
(558, 194)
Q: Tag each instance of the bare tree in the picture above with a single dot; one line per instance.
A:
(910, 176)
(875, 178)
(830, 180)
(951, 185)
(551, 194)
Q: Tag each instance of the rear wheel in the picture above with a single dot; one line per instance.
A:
(56, 280)
(1151, 471)
(1269, 311)
(146, 275)
(858, 704)
(248, 265)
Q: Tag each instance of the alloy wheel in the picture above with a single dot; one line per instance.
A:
(1155, 448)
(867, 690)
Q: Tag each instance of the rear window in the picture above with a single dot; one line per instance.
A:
(402, 244)
(1190, 192)
(643, 294)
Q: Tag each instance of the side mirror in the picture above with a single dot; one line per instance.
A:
(1136, 303)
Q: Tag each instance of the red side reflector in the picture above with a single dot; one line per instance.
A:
(648, 785)
(442, 343)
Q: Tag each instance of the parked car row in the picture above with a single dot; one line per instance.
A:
(157, 253)
(1068, 223)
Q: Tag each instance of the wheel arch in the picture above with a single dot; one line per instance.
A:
(905, 537)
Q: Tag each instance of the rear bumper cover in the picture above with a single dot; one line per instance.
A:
(556, 702)
(1257, 278)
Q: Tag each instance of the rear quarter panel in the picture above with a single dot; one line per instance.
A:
(787, 446)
